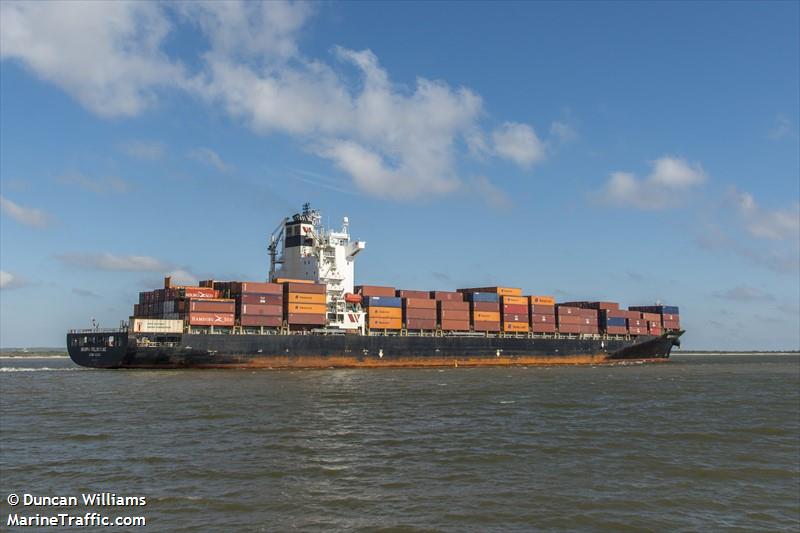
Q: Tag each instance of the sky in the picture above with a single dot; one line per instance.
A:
(633, 152)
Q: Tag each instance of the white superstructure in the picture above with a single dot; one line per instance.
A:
(310, 251)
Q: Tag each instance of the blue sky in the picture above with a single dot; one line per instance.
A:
(625, 151)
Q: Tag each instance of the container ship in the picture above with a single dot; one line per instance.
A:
(310, 314)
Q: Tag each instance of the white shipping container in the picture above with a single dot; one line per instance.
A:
(155, 325)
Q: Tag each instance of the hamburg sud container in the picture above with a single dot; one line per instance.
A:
(542, 311)
(452, 312)
(419, 311)
(515, 316)
(484, 311)
(383, 312)
(568, 319)
(304, 303)
(260, 304)
(210, 312)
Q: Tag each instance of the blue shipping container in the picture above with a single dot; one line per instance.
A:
(382, 301)
(616, 321)
(483, 297)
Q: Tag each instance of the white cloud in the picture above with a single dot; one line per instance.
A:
(562, 133)
(781, 128)
(103, 185)
(743, 293)
(670, 175)
(393, 141)
(493, 196)
(10, 281)
(209, 157)
(772, 224)
(519, 143)
(24, 215)
(182, 276)
(143, 149)
(107, 55)
(86, 293)
(107, 261)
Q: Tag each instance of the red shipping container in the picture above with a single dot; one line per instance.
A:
(419, 323)
(651, 317)
(484, 306)
(447, 314)
(306, 319)
(616, 330)
(306, 288)
(210, 319)
(486, 326)
(417, 295)
(212, 306)
(455, 325)
(570, 319)
(197, 292)
(453, 305)
(538, 309)
(515, 309)
(449, 296)
(543, 319)
(637, 330)
(543, 328)
(241, 287)
(261, 320)
(412, 312)
(514, 318)
(418, 303)
(374, 290)
(263, 299)
(260, 309)
(569, 328)
(565, 310)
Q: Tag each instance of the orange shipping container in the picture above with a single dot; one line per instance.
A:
(385, 312)
(515, 326)
(306, 298)
(486, 316)
(290, 280)
(384, 323)
(515, 300)
(542, 300)
(307, 309)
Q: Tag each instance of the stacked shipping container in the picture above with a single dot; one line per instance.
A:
(258, 304)
(452, 312)
(516, 312)
(668, 316)
(419, 311)
(542, 312)
(304, 303)
(484, 304)
(487, 309)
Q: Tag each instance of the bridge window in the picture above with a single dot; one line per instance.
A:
(110, 340)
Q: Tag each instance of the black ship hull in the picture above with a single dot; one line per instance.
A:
(121, 350)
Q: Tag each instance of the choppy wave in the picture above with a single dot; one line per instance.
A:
(34, 357)
(37, 369)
